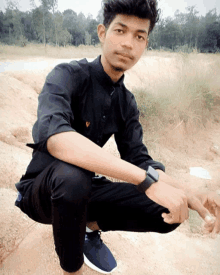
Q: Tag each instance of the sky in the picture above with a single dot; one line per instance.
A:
(168, 7)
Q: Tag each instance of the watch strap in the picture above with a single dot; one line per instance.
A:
(144, 185)
(152, 176)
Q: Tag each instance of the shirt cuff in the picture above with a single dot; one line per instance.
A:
(56, 125)
(42, 145)
(152, 163)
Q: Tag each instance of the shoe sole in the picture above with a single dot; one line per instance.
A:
(92, 266)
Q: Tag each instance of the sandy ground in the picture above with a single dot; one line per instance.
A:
(27, 247)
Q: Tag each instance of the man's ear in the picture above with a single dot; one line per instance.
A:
(101, 30)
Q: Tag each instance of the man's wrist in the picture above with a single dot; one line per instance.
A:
(152, 176)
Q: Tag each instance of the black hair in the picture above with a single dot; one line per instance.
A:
(145, 9)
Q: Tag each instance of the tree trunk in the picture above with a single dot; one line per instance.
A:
(44, 31)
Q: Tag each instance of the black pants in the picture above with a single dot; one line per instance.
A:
(67, 197)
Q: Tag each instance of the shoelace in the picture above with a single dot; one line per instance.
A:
(95, 238)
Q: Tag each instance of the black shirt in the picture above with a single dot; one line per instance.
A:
(79, 96)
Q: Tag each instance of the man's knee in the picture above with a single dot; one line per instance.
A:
(71, 182)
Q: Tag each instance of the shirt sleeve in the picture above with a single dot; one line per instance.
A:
(54, 113)
(129, 141)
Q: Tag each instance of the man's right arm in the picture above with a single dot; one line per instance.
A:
(76, 149)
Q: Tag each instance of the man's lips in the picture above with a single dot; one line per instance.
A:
(125, 55)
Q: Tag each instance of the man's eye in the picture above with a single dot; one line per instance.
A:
(141, 38)
(119, 31)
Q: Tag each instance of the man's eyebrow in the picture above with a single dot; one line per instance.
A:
(125, 26)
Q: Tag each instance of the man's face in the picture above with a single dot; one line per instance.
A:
(124, 41)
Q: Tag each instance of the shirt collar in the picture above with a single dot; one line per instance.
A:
(102, 77)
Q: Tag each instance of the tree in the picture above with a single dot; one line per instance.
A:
(170, 35)
(60, 36)
(64, 37)
(40, 18)
(2, 27)
(12, 5)
(43, 19)
(181, 20)
(209, 32)
(92, 30)
(80, 29)
(13, 22)
(70, 22)
(88, 38)
(76, 25)
(37, 19)
(26, 20)
(191, 27)
(52, 6)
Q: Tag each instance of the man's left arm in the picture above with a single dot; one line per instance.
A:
(130, 145)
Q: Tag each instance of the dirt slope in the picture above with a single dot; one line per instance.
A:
(27, 247)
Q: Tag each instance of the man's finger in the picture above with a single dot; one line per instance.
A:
(169, 218)
(166, 217)
(203, 212)
(209, 219)
(216, 229)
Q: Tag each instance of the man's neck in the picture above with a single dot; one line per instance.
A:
(110, 71)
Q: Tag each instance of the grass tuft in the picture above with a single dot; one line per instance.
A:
(39, 50)
(186, 89)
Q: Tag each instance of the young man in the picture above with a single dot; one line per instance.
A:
(81, 105)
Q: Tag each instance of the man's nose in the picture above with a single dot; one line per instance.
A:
(128, 42)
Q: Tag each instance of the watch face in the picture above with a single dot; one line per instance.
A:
(153, 173)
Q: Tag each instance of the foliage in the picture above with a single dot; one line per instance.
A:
(188, 31)
(185, 32)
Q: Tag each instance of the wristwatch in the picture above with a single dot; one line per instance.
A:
(152, 176)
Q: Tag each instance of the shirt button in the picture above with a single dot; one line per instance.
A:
(112, 92)
(104, 117)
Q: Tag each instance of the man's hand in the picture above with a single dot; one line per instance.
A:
(172, 198)
(208, 207)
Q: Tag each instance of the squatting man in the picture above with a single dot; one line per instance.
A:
(82, 104)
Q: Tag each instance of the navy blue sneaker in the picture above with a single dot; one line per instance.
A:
(97, 255)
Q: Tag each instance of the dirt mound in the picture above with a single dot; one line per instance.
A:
(34, 80)
(18, 110)
(14, 225)
(18, 105)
